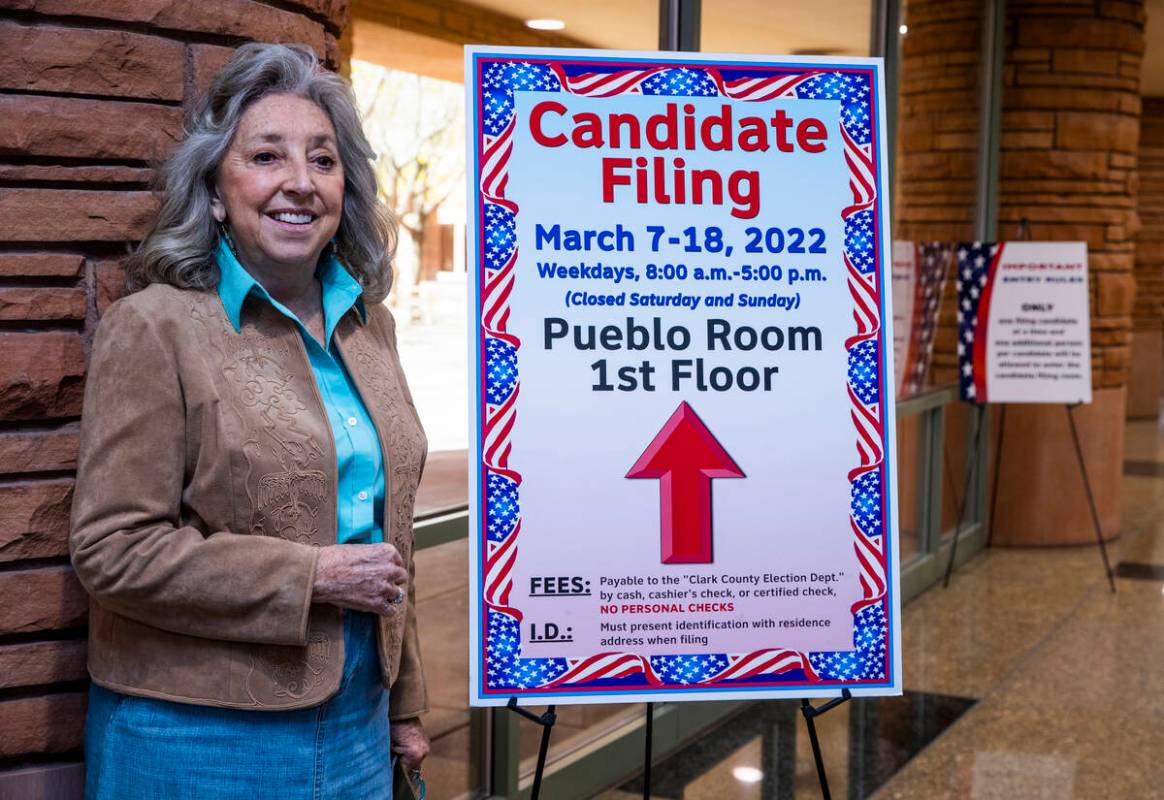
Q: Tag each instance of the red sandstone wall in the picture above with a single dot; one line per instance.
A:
(1071, 107)
(92, 94)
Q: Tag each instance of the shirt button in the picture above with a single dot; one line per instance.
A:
(362, 495)
(352, 422)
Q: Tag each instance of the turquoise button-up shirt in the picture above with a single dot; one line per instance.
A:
(360, 488)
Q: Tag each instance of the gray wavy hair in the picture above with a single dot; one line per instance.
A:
(179, 245)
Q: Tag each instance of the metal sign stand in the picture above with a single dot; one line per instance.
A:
(979, 427)
(647, 758)
(547, 721)
(810, 714)
(971, 464)
(970, 461)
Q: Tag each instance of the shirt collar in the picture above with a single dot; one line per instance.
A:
(340, 290)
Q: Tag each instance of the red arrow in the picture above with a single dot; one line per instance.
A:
(685, 456)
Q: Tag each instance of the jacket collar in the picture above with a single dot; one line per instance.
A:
(340, 290)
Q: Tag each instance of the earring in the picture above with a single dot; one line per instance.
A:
(224, 234)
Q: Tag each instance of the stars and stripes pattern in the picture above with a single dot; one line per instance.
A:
(933, 260)
(973, 271)
(868, 659)
(507, 668)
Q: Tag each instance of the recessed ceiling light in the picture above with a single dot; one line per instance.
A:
(903, 29)
(545, 24)
(747, 774)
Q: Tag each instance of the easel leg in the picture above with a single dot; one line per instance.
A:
(806, 707)
(647, 757)
(810, 715)
(997, 474)
(547, 721)
(1090, 498)
(971, 463)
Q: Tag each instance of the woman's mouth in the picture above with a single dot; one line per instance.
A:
(292, 219)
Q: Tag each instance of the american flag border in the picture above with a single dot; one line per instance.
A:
(888, 602)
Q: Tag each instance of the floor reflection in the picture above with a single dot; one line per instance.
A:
(763, 752)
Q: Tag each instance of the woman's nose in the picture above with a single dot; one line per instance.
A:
(298, 178)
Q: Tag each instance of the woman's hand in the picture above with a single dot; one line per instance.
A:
(364, 577)
(409, 742)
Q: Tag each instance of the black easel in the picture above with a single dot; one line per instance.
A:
(971, 464)
(810, 714)
(1023, 235)
(647, 758)
(547, 721)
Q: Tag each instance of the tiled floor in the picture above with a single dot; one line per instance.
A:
(1026, 678)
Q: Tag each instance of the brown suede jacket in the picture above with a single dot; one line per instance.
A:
(206, 484)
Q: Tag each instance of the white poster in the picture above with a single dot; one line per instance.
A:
(682, 474)
(1023, 323)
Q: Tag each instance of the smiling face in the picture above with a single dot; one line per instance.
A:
(280, 186)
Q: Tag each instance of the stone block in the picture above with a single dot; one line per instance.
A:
(956, 121)
(39, 303)
(1029, 55)
(246, 19)
(1097, 34)
(42, 663)
(1092, 62)
(333, 56)
(1073, 81)
(1116, 361)
(1094, 235)
(1020, 184)
(1116, 293)
(1084, 214)
(1076, 130)
(48, 58)
(39, 450)
(32, 215)
(956, 141)
(41, 599)
(83, 128)
(109, 279)
(1018, 193)
(1053, 164)
(1020, 120)
(1109, 338)
(1059, 97)
(50, 723)
(937, 165)
(334, 12)
(40, 265)
(206, 60)
(34, 519)
(1129, 10)
(1029, 140)
(42, 375)
(138, 177)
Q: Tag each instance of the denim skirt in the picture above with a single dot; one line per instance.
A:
(157, 750)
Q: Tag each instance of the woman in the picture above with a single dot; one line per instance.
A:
(249, 460)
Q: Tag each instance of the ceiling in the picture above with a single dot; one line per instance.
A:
(728, 26)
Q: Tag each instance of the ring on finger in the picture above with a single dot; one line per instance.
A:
(400, 593)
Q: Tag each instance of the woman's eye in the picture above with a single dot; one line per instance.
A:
(326, 162)
(264, 158)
